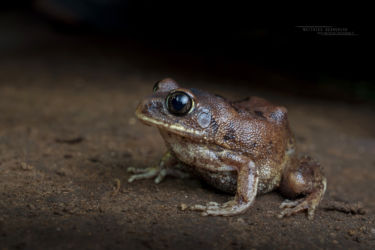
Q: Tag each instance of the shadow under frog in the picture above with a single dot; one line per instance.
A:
(244, 147)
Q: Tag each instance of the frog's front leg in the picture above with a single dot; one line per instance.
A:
(247, 184)
(167, 166)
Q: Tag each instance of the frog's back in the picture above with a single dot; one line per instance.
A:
(254, 107)
(259, 127)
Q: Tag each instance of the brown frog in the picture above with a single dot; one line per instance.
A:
(244, 147)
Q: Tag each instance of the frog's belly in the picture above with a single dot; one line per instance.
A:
(208, 163)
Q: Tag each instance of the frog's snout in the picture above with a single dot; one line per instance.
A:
(149, 108)
(142, 109)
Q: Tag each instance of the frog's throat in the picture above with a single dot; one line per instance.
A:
(176, 128)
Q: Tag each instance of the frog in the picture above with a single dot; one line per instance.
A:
(245, 148)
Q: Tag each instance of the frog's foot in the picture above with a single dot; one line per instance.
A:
(215, 209)
(154, 172)
(145, 173)
(292, 207)
(305, 179)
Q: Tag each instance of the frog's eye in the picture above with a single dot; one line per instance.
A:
(179, 103)
(156, 87)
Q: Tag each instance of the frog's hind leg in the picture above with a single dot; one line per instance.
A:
(305, 179)
(168, 165)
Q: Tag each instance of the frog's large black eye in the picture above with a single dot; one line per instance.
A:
(179, 103)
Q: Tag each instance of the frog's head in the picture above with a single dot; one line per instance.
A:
(186, 112)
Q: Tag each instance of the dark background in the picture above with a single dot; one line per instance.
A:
(231, 40)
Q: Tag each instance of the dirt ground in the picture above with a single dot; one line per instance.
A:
(68, 133)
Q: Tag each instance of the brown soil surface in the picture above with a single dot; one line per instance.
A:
(68, 133)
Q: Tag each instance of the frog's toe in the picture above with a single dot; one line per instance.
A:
(209, 205)
(140, 174)
(134, 170)
(293, 207)
(161, 176)
(215, 209)
(212, 204)
(227, 209)
(198, 207)
(288, 203)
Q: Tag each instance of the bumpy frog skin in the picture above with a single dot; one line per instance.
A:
(245, 148)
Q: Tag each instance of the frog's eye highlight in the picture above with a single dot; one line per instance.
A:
(179, 103)
(156, 87)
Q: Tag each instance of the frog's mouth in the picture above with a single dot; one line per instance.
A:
(175, 128)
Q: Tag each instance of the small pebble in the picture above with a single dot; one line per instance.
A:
(31, 206)
(183, 206)
(352, 232)
(26, 167)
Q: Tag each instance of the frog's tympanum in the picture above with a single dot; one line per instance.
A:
(241, 147)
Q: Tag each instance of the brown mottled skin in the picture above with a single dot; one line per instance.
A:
(244, 147)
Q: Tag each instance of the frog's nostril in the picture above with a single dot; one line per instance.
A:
(155, 106)
(149, 107)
